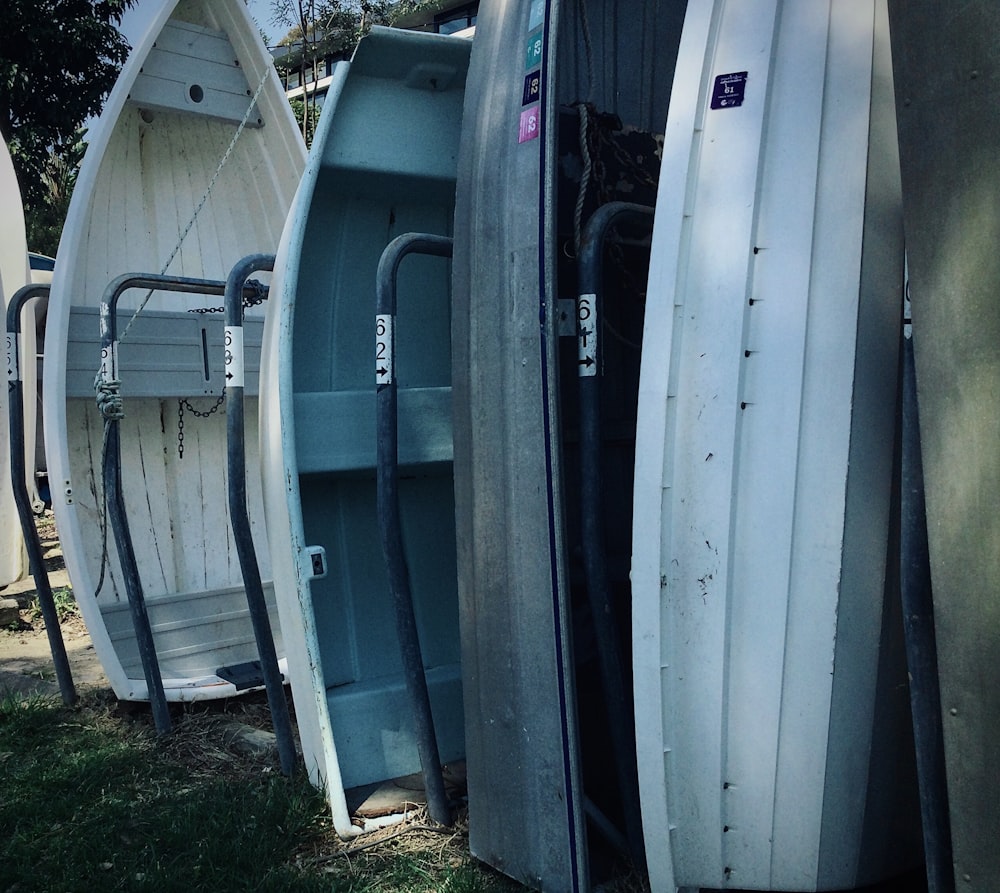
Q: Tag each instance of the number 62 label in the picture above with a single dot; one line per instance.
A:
(383, 349)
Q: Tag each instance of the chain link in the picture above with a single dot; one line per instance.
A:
(183, 404)
(260, 293)
(259, 296)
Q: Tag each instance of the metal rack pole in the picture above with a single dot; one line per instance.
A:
(590, 361)
(389, 513)
(112, 468)
(239, 517)
(36, 562)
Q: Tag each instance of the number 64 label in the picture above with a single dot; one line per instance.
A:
(383, 349)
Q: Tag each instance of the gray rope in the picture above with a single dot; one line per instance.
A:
(109, 399)
(581, 195)
(205, 197)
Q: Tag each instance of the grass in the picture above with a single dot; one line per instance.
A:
(65, 603)
(93, 801)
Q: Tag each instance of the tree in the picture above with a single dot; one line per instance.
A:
(321, 30)
(44, 219)
(58, 61)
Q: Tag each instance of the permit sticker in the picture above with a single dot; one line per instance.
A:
(529, 124)
(533, 54)
(532, 88)
(729, 90)
(537, 13)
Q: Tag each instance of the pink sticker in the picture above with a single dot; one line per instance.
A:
(529, 124)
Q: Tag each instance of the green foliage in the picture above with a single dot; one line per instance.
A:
(44, 219)
(95, 805)
(320, 30)
(95, 802)
(428, 8)
(65, 602)
(308, 114)
(58, 61)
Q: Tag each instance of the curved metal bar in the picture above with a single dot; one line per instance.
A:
(238, 514)
(112, 472)
(389, 518)
(589, 314)
(36, 562)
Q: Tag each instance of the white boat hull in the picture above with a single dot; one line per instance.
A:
(382, 164)
(13, 275)
(152, 166)
(771, 708)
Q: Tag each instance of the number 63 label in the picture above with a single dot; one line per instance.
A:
(12, 370)
(234, 357)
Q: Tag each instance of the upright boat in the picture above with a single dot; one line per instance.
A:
(564, 112)
(746, 470)
(773, 740)
(192, 166)
(13, 274)
(382, 165)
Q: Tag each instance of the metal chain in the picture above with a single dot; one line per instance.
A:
(259, 297)
(118, 407)
(184, 403)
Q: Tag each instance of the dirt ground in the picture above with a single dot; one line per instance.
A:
(25, 657)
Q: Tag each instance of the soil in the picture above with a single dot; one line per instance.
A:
(230, 737)
(25, 656)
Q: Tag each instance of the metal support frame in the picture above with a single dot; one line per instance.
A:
(389, 512)
(589, 316)
(36, 562)
(112, 471)
(238, 514)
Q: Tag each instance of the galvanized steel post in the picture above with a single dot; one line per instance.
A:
(589, 314)
(389, 515)
(239, 517)
(15, 407)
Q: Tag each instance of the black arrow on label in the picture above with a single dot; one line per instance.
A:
(589, 361)
(382, 371)
(229, 375)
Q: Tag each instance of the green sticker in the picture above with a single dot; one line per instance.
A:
(533, 56)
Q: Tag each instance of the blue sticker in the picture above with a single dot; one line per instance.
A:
(533, 55)
(729, 90)
(537, 13)
(532, 87)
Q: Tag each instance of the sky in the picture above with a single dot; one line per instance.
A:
(136, 20)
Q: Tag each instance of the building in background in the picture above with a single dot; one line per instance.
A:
(312, 80)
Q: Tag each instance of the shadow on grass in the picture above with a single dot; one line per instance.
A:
(93, 802)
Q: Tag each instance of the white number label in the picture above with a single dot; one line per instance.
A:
(234, 357)
(12, 357)
(383, 349)
(109, 361)
(586, 335)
